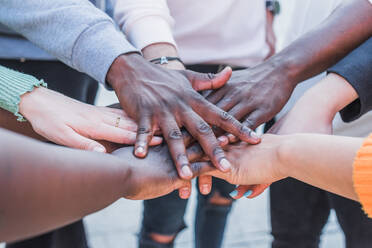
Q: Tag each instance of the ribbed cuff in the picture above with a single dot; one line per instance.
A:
(362, 175)
(149, 30)
(97, 48)
(13, 85)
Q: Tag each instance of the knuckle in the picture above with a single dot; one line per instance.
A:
(218, 152)
(195, 149)
(196, 168)
(249, 123)
(244, 129)
(143, 130)
(204, 128)
(210, 76)
(175, 134)
(226, 116)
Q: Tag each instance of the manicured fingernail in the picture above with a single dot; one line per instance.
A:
(225, 164)
(186, 171)
(184, 193)
(140, 150)
(99, 149)
(254, 135)
(157, 139)
(222, 139)
(205, 189)
(248, 193)
(234, 193)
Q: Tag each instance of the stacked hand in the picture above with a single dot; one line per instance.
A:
(164, 99)
(71, 123)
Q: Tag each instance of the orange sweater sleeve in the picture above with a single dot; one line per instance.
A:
(362, 175)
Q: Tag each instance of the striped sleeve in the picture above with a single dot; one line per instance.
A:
(13, 85)
(362, 175)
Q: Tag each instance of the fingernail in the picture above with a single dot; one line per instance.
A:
(184, 193)
(248, 193)
(186, 171)
(254, 135)
(221, 139)
(234, 193)
(225, 164)
(205, 189)
(140, 150)
(157, 139)
(99, 149)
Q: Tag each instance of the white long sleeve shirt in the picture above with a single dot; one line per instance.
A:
(208, 31)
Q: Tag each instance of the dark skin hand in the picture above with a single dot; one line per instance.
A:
(44, 186)
(256, 95)
(158, 98)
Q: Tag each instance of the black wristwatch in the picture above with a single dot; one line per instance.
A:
(273, 6)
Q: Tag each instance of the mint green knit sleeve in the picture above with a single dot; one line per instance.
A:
(13, 85)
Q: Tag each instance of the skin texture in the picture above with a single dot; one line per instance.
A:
(256, 95)
(281, 156)
(313, 113)
(157, 98)
(40, 192)
(71, 123)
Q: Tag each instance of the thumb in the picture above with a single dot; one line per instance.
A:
(208, 81)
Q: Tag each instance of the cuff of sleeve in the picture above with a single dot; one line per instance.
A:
(142, 32)
(97, 48)
(13, 85)
(356, 109)
(362, 175)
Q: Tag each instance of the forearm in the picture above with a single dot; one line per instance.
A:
(323, 161)
(43, 187)
(74, 31)
(327, 97)
(9, 122)
(317, 50)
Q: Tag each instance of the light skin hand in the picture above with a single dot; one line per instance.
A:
(71, 123)
(311, 158)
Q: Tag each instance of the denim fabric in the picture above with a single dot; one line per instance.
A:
(210, 219)
(71, 236)
(300, 211)
(165, 215)
(77, 85)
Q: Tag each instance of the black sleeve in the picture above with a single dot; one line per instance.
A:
(356, 68)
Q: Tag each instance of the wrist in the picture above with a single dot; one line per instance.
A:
(32, 101)
(287, 67)
(283, 69)
(286, 153)
(124, 64)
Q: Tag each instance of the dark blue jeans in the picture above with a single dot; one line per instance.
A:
(300, 211)
(165, 215)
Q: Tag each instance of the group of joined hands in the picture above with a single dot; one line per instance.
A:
(197, 116)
